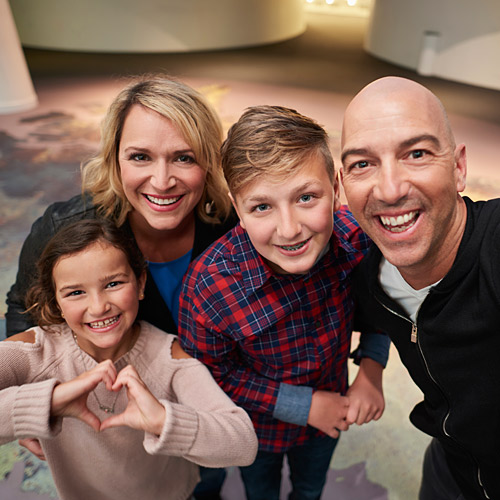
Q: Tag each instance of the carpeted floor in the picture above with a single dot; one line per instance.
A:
(317, 74)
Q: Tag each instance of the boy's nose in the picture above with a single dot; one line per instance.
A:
(288, 226)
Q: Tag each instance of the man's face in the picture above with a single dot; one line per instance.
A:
(401, 175)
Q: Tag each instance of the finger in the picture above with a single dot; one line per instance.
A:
(90, 419)
(33, 445)
(113, 421)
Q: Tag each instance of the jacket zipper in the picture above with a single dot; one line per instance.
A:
(414, 339)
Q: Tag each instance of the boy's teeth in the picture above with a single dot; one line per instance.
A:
(103, 323)
(400, 223)
(162, 201)
(294, 247)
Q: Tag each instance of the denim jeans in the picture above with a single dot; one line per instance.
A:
(308, 465)
(211, 481)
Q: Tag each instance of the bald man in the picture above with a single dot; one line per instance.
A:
(433, 280)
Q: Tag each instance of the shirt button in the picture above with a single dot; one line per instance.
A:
(317, 324)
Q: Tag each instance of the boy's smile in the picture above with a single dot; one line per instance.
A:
(289, 220)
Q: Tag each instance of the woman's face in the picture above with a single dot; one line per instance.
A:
(160, 174)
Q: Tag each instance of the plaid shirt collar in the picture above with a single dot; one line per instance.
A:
(255, 271)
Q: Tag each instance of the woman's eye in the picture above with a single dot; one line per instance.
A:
(186, 159)
(139, 157)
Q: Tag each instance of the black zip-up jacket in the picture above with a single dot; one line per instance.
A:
(452, 352)
(152, 308)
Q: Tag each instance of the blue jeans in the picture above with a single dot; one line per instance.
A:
(211, 481)
(308, 464)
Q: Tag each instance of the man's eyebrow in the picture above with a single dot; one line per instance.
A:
(405, 144)
(421, 138)
(353, 151)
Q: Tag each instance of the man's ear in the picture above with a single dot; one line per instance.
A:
(235, 206)
(460, 167)
(336, 193)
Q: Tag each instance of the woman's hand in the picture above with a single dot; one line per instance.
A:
(69, 399)
(143, 412)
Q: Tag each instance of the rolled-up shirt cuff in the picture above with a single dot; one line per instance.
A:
(372, 345)
(293, 404)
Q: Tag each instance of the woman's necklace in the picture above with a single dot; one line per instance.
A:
(104, 408)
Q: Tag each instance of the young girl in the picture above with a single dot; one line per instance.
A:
(143, 412)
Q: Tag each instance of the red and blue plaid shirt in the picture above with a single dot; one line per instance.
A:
(256, 329)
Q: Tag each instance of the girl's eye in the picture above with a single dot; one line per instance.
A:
(75, 293)
(113, 284)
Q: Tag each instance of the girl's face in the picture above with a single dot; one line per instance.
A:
(160, 174)
(98, 294)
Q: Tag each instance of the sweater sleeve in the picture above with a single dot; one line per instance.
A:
(204, 425)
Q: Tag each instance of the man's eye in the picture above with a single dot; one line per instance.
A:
(418, 153)
(360, 164)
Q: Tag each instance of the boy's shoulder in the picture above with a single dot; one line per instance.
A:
(348, 232)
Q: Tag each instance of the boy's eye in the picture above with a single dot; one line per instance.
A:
(305, 198)
(261, 208)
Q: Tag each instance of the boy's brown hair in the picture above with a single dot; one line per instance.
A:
(272, 140)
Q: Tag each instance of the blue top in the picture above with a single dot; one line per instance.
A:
(168, 278)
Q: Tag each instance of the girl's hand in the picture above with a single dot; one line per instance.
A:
(143, 412)
(69, 399)
(34, 446)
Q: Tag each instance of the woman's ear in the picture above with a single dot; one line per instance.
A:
(142, 284)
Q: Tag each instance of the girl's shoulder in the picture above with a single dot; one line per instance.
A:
(28, 336)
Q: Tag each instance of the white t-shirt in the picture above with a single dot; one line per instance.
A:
(399, 290)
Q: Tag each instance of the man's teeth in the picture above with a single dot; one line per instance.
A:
(162, 201)
(400, 223)
(294, 247)
(104, 322)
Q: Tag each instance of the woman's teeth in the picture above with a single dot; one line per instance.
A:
(162, 201)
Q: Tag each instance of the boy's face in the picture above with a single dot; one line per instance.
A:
(290, 221)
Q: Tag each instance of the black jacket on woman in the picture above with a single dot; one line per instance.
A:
(452, 351)
(152, 308)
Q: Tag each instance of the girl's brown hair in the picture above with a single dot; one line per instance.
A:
(71, 239)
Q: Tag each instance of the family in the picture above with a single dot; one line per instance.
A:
(192, 309)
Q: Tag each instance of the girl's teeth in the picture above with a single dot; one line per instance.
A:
(103, 323)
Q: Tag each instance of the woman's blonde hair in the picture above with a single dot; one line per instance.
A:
(198, 123)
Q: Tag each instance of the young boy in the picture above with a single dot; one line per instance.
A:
(268, 306)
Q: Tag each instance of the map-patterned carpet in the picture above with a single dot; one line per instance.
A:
(40, 153)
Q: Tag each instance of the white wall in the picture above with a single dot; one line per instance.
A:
(155, 25)
(452, 39)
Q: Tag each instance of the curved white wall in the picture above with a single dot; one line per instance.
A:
(453, 39)
(155, 25)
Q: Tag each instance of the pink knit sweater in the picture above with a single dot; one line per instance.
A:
(202, 424)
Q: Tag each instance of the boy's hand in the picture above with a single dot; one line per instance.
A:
(366, 396)
(328, 412)
(69, 399)
(143, 412)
